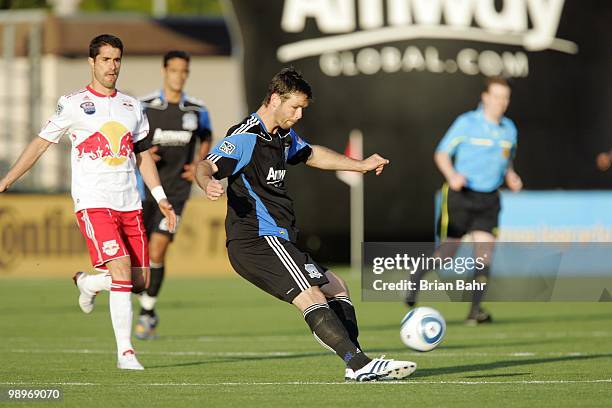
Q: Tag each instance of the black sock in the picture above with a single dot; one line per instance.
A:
(480, 276)
(343, 308)
(330, 332)
(156, 279)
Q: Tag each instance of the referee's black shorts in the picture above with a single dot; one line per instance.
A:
(466, 211)
(276, 266)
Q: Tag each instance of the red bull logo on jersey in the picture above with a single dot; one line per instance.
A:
(112, 144)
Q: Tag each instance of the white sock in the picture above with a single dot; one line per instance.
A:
(147, 302)
(98, 282)
(121, 314)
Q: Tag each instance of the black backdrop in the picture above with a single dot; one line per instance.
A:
(562, 108)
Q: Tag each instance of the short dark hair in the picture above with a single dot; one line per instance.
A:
(286, 82)
(101, 40)
(499, 80)
(176, 54)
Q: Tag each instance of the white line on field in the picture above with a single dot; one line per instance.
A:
(437, 353)
(476, 335)
(171, 353)
(406, 382)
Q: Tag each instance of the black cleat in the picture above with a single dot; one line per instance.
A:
(480, 316)
(410, 299)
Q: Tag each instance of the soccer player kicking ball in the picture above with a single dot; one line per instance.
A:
(260, 225)
(108, 132)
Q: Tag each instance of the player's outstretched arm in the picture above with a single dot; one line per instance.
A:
(213, 188)
(326, 159)
(28, 158)
(455, 180)
(148, 170)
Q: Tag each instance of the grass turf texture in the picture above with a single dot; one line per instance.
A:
(223, 342)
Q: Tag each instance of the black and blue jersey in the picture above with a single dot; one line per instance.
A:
(175, 127)
(255, 163)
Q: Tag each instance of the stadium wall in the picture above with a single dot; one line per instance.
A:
(39, 236)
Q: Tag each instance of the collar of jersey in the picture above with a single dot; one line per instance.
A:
(99, 95)
(481, 115)
(162, 96)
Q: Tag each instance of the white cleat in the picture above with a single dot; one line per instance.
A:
(128, 361)
(349, 374)
(86, 297)
(381, 369)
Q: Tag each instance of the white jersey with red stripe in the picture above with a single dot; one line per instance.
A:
(103, 130)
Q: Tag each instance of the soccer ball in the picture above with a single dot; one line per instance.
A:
(422, 329)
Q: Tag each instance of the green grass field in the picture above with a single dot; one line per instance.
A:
(225, 343)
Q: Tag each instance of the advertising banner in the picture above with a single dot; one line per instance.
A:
(39, 236)
(400, 72)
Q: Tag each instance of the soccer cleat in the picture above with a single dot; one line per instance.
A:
(86, 297)
(145, 328)
(127, 361)
(349, 374)
(381, 369)
(480, 316)
(410, 299)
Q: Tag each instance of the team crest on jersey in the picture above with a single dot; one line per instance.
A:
(226, 147)
(88, 107)
(313, 272)
(59, 109)
(190, 121)
(110, 248)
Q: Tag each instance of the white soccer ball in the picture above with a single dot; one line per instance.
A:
(422, 329)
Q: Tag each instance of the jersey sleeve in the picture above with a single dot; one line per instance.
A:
(514, 138)
(453, 137)
(299, 151)
(58, 124)
(142, 125)
(204, 130)
(232, 154)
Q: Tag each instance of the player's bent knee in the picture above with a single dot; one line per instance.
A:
(120, 269)
(309, 297)
(336, 286)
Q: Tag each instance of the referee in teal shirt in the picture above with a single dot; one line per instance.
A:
(475, 157)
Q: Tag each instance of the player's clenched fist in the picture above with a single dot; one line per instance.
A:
(375, 162)
(214, 190)
(456, 181)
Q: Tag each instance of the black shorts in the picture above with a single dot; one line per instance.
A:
(276, 266)
(466, 211)
(155, 221)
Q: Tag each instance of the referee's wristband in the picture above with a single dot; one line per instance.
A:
(158, 193)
